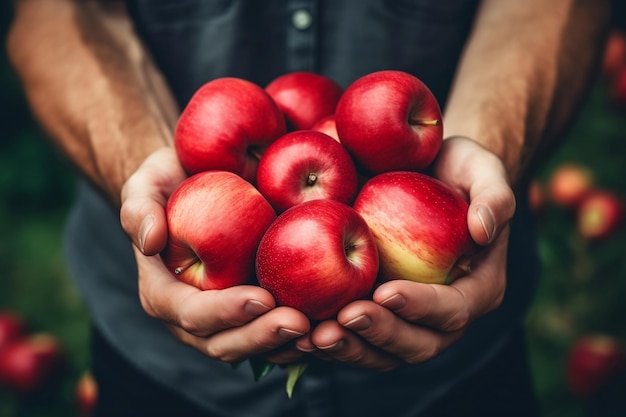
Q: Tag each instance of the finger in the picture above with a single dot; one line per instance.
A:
(200, 313)
(492, 205)
(450, 308)
(483, 289)
(266, 333)
(382, 328)
(284, 355)
(480, 176)
(336, 343)
(144, 197)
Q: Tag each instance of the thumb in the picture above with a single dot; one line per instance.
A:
(144, 197)
(492, 205)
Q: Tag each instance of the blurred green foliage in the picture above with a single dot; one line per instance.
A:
(36, 186)
(581, 291)
(583, 282)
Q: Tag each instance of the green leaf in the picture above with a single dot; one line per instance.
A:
(294, 372)
(260, 367)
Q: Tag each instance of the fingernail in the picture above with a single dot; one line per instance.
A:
(144, 229)
(359, 323)
(305, 349)
(289, 334)
(394, 302)
(256, 308)
(333, 346)
(485, 216)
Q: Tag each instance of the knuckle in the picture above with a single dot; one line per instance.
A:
(124, 192)
(426, 353)
(265, 343)
(126, 214)
(146, 305)
(355, 356)
(186, 321)
(213, 351)
(497, 298)
(459, 320)
(385, 338)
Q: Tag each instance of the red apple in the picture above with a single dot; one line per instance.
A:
(600, 214)
(536, 196)
(327, 125)
(304, 97)
(306, 165)
(86, 394)
(317, 257)
(28, 364)
(225, 126)
(12, 328)
(618, 87)
(215, 222)
(592, 362)
(569, 183)
(614, 56)
(390, 121)
(420, 227)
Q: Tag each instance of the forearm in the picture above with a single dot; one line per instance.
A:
(523, 74)
(92, 86)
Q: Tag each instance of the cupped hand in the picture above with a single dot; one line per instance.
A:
(231, 324)
(410, 322)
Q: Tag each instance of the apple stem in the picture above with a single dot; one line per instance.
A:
(461, 267)
(435, 122)
(348, 249)
(255, 153)
(464, 263)
(312, 179)
(180, 269)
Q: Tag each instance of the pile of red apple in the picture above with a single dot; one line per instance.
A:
(313, 191)
(599, 212)
(28, 361)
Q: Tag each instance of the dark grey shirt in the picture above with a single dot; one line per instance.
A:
(194, 41)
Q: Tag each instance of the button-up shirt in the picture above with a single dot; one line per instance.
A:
(194, 41)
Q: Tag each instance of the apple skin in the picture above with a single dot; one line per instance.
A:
(592, 362)
(614, 55)
(327, 125)
(29, 363)
(569, 183)
(600, 214)
(86, 394)
(317, 257)
(306, 165)
(304, 97)
(12, 328)
(225, 126)
(420, 227)
(390, 121)
(618, 88)
(215, 222)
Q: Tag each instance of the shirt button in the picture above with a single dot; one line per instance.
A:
(301, 19)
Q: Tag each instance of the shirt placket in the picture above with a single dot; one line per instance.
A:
(301, 41)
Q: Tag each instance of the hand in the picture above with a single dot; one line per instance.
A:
(409, 322)
(231, 324)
